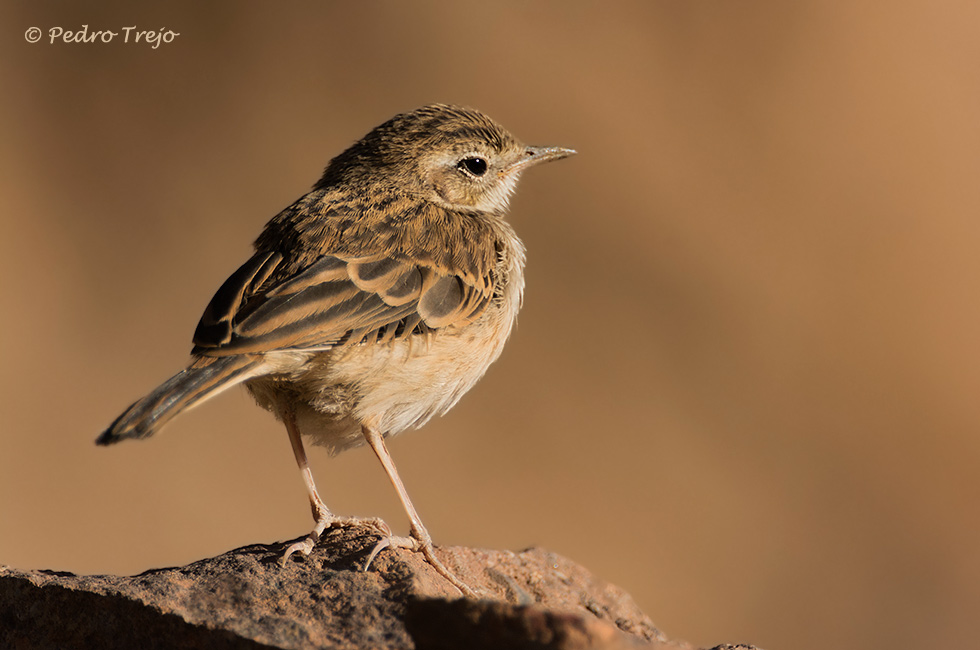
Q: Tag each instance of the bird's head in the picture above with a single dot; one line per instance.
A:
(455, 157)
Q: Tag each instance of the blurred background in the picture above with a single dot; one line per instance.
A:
(744, 383)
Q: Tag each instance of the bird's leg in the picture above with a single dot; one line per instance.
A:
(321, 515)
(420, 539)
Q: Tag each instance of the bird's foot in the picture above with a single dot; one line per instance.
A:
(327, 519)
(421, 542)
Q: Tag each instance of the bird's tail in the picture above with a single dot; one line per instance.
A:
(204, 378)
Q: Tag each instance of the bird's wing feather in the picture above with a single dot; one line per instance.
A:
(332, 301)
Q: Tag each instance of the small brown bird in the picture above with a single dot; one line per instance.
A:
(372, 303)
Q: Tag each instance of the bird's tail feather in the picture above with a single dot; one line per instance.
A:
(204, 378)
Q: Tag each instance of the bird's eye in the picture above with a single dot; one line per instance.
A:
(473, 165)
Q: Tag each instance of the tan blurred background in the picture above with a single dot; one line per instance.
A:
(744, 384)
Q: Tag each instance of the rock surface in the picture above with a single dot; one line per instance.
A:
(245, 599)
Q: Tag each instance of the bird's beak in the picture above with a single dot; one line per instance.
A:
(535, 155)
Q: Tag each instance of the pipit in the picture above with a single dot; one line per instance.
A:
(372, 303)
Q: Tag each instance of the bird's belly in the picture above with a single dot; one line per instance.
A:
(402, 386)
(390, 387)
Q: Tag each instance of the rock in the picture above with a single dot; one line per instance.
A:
(245, 599)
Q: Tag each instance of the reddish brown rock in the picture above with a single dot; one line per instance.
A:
(244, 599)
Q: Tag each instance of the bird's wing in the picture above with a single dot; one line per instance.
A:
(334, 300)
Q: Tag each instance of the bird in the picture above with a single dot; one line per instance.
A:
(371, 304)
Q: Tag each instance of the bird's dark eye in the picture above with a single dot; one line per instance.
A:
(474, 165)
